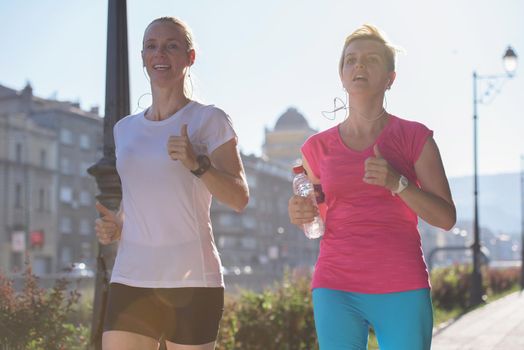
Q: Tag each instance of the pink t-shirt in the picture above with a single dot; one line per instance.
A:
(371, 242)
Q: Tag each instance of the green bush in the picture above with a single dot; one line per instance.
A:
(502, 280)
(35, 318)
(451, 286)
(280, 318)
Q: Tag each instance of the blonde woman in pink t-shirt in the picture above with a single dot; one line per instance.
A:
(379, 173)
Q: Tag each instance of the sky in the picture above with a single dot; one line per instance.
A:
(255, 59)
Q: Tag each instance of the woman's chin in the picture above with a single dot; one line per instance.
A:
(163, 81)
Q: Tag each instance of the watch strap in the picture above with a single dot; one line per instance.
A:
(203, 165)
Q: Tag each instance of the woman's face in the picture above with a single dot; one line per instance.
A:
(165, 54)
(364, 68)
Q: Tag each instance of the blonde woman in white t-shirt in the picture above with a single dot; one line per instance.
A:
(172, 158)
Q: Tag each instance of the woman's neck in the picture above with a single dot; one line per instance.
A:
(366, 107)
(166, 102)
(367, 116)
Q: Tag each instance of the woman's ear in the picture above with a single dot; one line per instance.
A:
(391, 79)
(192, 56)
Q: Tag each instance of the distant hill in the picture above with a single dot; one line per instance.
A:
(499, 201)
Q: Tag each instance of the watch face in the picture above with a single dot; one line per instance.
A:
(203, 165)
(402, 184)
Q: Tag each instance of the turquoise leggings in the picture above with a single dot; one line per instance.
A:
(402, 321)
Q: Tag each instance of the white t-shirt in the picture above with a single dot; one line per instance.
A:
(167, 239)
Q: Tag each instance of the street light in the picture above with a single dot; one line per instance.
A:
(494, 85)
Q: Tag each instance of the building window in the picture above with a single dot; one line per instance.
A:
(66, 225)
(85, 198)
(227, 242)
(249, 243)
(66, 256)
(86, 251)
(262, 205)
(251, 181)
(282, 205)
(268, 228)
(226, 219)
(249, 222)
(66, 136)
(43, 158)
(66, 194)
(41, 199)
(18, 154)
(85, 227)
(84, 141)
(252, 203)
(66, 166)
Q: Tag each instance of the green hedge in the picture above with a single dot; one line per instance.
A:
(281, 317)
(451, 285)
(36, 318)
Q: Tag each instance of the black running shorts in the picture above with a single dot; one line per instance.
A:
(188, 316)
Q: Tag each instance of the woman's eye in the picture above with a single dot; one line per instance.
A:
(150, 46)
(372, 59)
(350, 60)
(172, 46)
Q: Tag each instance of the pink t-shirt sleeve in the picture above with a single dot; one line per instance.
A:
(310, 151)
(420, 134)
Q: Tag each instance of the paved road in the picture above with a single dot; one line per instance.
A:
(496, 326)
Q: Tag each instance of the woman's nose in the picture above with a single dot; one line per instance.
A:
(160, 50)
(360, 65)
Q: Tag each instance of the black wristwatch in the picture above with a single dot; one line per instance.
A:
(203, 165)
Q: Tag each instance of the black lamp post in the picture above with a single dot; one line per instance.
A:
(493, 87)
(116, 107)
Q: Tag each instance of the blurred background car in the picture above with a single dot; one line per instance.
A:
(78, 270)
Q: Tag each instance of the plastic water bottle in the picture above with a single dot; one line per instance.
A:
(304, 188)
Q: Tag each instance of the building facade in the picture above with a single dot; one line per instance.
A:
(282, 144)
(47, 211)
(258, 245)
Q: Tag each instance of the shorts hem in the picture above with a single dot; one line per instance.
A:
(167, 284)
(134, 331)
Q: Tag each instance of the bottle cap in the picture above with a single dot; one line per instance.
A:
(298, 169)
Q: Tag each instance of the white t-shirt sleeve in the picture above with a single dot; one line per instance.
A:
(216, 129)
(116, 131)
(115, 136)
